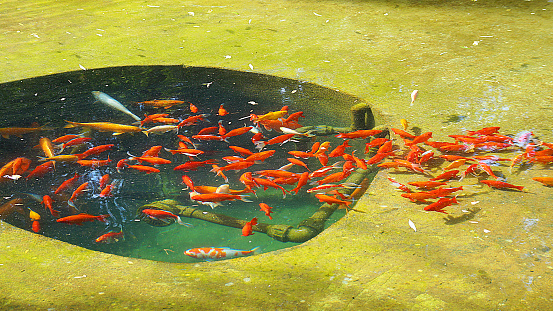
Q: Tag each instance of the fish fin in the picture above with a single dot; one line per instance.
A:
(70, 125)
(116, 133)
(256, 250)
(70, 203)
(180, 222)
(145, 133)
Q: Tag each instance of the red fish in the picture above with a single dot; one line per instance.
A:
(446, 176)
(67, 184)
(47, 201)
(193, 108)
(359, 134)
(237, 132)
(240, 150)
(222, 111)
(93, 163)
(110, 237)
(499, 184)
(247, 229)
(35, 226)
(144, 168)
(193, 165)
(268, 183)
(304, 178)
(267, 209)
(441, 204)
(77, 192)
(331, 200)
(80, 218)
(96, 150)
(106, 192)
(42, 170)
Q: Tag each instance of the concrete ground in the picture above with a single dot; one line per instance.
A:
(475, 64)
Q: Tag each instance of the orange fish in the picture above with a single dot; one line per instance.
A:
(93, 163)
(359, 134)
(240, 150)
(96, 150)
(41, 170)
(237, 132)
(65, 138)
(193, 108)
(304, 178)
(499, 184)
(548, 181)
(151, 160)
(267, 209)
(193, 165)
(67, 184)
(110, 237)
(80, 218)
(426, 184)
(192, 120)
(47, 201)
(106, 192)
(162, 103)
(260, 156)
(441, 204)
(331, 200)
(103, 181)
(77, 192)
(213, 199)
(222, 111)
(446, 176)
(247, 229)
(144, 168)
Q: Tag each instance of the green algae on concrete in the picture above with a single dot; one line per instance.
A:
(477, 59)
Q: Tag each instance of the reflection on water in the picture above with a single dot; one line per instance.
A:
(50, 100)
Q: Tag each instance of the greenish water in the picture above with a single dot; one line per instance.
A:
(50, 100)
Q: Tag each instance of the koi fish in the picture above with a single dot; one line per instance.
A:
(35, 226)
(93, 163)
(214, 253)
(106, 192)
(273, 115)
(47, 201)
(103, 181)
(117, 129)
(96, 150)
(414, 95)
(110, 237)
(193, 165)
(222, 111)
(111, 102)
(247, 230)
(80, 218)
(331, 200)
(161, 129)
(46, 146)
(499, 184)
(267, 209)
(76, 193)
(144, 168)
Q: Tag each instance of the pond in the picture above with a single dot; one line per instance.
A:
(67, 104)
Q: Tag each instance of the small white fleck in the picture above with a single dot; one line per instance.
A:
(317, 14)
(130, 262)
(251, 102)
(35, 35)
(101, 293)
(247, 280)
(412, 225)
(251, 66)
(474, 202)
(99, 35)
(228, 56)
(80, 277)
(294, 91)
(475, 43)
(82, 67)
(473, 222)
(486, 231)
(250, 21)
(191, 13)
(100, 29)
(152, 6)
(229, 284)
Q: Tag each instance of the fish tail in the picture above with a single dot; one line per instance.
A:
(180, 222)
(145, 133)
(256, 250)
(243, 198)
(70, 125)
(70, 203)
(103, 218)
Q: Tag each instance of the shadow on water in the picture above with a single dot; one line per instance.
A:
(49, 100)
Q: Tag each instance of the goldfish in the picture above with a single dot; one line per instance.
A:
(18, 131)
(188, 152)
(404, 123)
(163, 215)
(414, 95)
(273, 115)
(441, 204)
(34, 215)
(446, 176)
(77, 192)
(106, 127)
(80, 218)
(267, 209)
(188, 182)
(298, 162)
(260, 156)
(144, 168)
(46, 145)
(106, 192)
(268, 183)
(110, 237)
(66, 138)
(240, 150)
(61, 158)
(113, 103)
(275, 140)
(421, 138)
(247, 229)
(35, 226)
(304, 178)
(68, 183)
(192, 120)
(237, 132)
(214, 253)
(151, 160)
(331, 200)
(193, 108)
(152, 117)
(222, 111)
(96, 150)
(162, 103)
(359, 134)
(47, 201)
(499, 184)
(426, 184)
(161, 129)
(548, 181)
(193, 165)
(213, 199)
(93, 163)
(103, 181)
(484, 131)
(41, 170)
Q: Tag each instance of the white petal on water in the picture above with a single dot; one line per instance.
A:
(412, 225)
